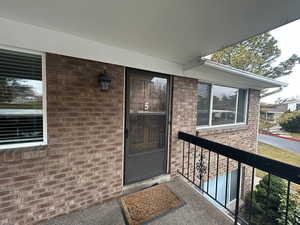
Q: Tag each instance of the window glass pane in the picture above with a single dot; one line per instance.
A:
(21, 94)
(203, 106)
(241, 105)
(221, 191)
(224, 98)
(211, 189)
(16, 93)
(233, 185)
(147, 112)
(224, 105)
(220, 118)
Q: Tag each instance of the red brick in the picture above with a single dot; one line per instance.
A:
(3, 193)
(8, 209)
(23, 178)
(76, 109)
(4, 181)
(184, 112)
(83, 162)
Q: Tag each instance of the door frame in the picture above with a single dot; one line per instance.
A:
(167, 122)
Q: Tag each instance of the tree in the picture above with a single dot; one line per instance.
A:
(11, 89)
(290, 121)
(257, 55)
(270, 208)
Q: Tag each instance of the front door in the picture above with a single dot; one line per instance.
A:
(146, 125)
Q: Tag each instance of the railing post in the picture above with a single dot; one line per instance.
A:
(183, 157)
(251, 198)
(217, 178)
(194, 164)
(201, 169)
(188, 163)
(226, 187)
(208, 170)
(287, 203)
(237, 203)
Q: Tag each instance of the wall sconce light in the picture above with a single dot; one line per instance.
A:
(104, 81)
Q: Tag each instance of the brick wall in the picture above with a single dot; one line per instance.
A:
(243, 136)
(184, 112)
(184, 116)
(82, 164)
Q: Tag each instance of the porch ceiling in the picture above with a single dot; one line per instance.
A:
(173, 30)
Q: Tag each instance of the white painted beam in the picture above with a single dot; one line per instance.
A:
(16, 34)
(193, 63)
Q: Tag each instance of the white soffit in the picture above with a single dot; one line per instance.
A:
(212, 72)
(155, 35)
(14, 34)
(174, 30)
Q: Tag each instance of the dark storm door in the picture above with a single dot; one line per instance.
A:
(146, 125)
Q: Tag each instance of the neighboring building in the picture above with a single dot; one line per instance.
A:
(272, 113)
(121, 84)
(293, 105)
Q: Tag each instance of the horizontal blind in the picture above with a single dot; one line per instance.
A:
(20, 65)
(21, 117)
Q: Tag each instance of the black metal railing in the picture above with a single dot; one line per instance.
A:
(227, 176)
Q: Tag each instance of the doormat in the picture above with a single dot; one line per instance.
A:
(146, 205)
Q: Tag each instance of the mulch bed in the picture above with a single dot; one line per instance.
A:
(144, 206)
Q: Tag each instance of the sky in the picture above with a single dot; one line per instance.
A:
(288, 37)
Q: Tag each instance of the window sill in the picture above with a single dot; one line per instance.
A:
(21, 146)
(221, 129)
(226, 126)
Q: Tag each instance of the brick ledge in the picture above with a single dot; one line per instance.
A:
(219, 130)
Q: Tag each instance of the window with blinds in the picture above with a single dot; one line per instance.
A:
(21, 97)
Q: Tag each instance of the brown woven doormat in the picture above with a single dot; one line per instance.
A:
(144, 206)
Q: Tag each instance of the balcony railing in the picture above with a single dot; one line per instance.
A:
(227, 176)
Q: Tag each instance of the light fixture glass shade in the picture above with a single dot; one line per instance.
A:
(104, 81)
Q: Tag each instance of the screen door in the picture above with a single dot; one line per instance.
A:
(146, 125)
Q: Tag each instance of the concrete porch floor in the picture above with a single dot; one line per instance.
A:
(197, 210)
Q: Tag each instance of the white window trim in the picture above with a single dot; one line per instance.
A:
(44, 103)
(211, 109)
(236, 105)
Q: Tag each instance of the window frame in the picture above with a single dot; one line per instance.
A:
(229, 202)
(226, 176)
(236, 108)
(44, 103)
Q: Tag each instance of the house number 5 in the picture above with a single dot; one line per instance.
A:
(146, 106)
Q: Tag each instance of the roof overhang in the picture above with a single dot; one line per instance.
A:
(153, 35)
(217, 73)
